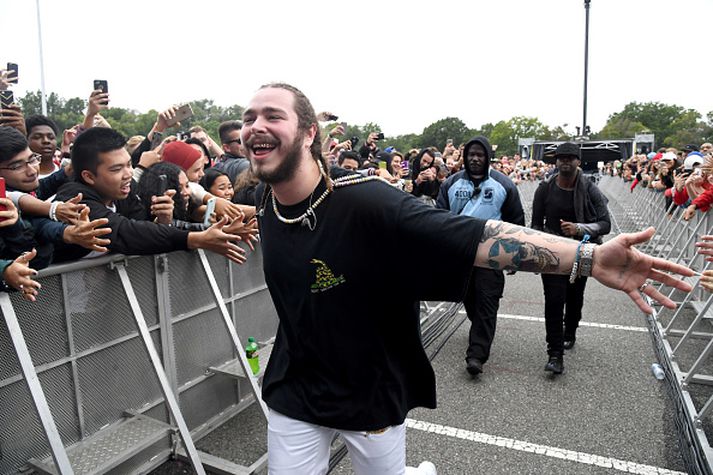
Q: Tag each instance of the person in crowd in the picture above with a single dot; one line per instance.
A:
(395, 166)
(706, 147)
(233, 161)
(173, 207)
(424, 175)
(103, 174)
(358, 369)
(217, 183)
(15, 272)
(19, 167)
(199, 133)
(133, 143)
(483, 193)
(369, 148)
(572, 206)
(349, 161)
(191, 158)
(664, 179)
(42, 135)
(700, 189)
(244, 188)
(691, 167)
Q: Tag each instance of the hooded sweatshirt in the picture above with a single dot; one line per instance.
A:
(493, 196)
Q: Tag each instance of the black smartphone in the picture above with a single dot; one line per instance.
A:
(354, 140)
(380, 136)
(6, 99)
(101, 85)
(162, 185)
(13, 73)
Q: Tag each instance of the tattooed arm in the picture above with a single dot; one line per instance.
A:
(616, 264)
(506, 246)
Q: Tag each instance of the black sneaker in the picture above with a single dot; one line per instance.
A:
(568, 344)
(555, 365)
(473, 366)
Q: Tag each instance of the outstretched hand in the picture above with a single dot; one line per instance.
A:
(619, 265)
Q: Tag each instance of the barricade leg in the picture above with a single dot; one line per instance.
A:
(171, 400)
(59, 453)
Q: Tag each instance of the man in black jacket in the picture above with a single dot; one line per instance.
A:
(568, 204)
(103, 174)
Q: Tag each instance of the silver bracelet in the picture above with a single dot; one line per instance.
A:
(573, 274)
(586, 259)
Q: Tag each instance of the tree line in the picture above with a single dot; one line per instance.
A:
(672, 125)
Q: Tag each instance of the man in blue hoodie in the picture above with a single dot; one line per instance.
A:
(484, 193)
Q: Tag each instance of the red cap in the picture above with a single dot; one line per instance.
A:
(181, 154)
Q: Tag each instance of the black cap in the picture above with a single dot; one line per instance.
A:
(568, 149)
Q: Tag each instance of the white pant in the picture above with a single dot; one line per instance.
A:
(300, 448)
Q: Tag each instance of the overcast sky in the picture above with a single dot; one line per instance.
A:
(402, 65)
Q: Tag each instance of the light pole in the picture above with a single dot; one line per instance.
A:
(42, 62)
(585, 131)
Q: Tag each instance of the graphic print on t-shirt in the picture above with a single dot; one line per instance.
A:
(325, 278)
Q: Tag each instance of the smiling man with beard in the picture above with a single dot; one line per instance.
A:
(355, 366)
(568, 204)
(481, 192)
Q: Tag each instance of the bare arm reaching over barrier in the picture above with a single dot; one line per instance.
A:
(616, 264)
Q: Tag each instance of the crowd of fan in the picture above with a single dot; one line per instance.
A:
(685, 177)
(187, 182)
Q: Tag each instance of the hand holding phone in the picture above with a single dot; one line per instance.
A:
(6, 99)
(162, 185)
(181, 113)
(103, 86)
(209, 210)
(12, 73)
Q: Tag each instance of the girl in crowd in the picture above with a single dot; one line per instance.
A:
(217, 184)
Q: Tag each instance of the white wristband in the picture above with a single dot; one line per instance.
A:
(53, 210)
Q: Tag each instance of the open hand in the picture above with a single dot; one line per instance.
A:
(215, 239)
(87, 233)
(619, 265)
(69, 211)
(18, 275)
(247, 231)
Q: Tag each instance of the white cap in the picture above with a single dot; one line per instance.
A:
(669, 156)
(691, 161)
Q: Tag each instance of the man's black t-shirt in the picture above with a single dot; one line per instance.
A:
(559, 204)
(348, 352)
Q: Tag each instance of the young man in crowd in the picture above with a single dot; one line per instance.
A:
(42, 135)
(197, 132)
(103, 172)
(356, 366)
(19, 167)
(482, 193)
(569, 205)
(233, 161)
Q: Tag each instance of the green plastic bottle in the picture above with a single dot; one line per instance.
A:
(252, 356)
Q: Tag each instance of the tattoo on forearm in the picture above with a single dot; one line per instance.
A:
(511, 254)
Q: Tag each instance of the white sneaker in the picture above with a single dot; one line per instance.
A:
(425, 468)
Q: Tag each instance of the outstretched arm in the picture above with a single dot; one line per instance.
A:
(616, 264)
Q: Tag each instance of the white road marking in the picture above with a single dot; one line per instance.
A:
(546, 450)
(581, 324)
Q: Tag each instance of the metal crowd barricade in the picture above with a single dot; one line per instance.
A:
(111, 368)
(124, 362)
(682, 338)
